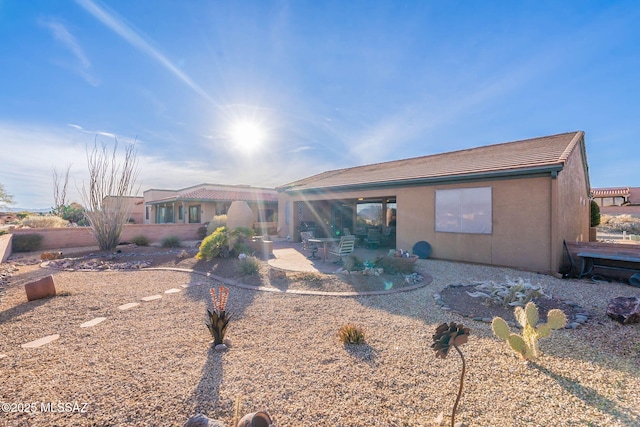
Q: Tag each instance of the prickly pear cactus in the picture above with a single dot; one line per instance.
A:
(528, 317)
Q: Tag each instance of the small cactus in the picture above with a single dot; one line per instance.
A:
(527, 344)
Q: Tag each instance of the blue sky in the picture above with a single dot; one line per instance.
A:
(312, 85)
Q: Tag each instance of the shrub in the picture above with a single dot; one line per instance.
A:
(353, 263)
(22, 215)
(3, 232)
(595, 214)
(511, 293)
(140, 240)
(527, 344)
(351, 334)
(44, 221)
(215, 223)
(248, 265)
(202, 232)
(171, 242)
(396, 265)
(26, 242)
(215, 244)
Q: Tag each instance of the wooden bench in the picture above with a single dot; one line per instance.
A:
(590, 260)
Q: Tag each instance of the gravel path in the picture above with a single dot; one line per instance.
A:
(153, 364)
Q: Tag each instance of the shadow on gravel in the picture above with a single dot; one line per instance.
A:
(592, 398)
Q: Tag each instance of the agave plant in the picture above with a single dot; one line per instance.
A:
(218, 318)
(514, 293)
(447, 336)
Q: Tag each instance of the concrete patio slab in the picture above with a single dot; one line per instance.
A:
(41, 341)
(93, 322)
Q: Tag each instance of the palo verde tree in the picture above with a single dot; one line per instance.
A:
(106, 198)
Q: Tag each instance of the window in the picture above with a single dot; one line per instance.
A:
(465, 210)
(180, 212)
(164, 214)
(147, 211)
(194, 214)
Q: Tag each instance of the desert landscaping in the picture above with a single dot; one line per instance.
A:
(132, 348)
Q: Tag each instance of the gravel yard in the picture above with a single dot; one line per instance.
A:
(153, 364)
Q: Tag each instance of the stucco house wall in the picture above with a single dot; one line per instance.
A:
(534, 207)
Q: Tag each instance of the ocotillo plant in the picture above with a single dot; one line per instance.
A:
(447, 336)
(218, 318)
(527, 344)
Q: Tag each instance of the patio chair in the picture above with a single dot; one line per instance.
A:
(373, 238)
(344, 248)
(307, 245)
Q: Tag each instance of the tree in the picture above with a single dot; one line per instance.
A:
(60, 191)
(6, 199)
(105, 198)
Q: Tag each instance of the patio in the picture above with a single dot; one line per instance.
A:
(292, 257)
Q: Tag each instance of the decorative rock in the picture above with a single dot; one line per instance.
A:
(202, 421)
(2, 356)
(128, 306)
(40, 342)
(624, 310)
(221, 347)
(42, 288)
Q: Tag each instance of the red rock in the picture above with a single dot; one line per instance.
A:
(42, 288)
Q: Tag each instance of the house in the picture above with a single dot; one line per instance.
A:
(509, 204)
(200, 203)
(616, 196)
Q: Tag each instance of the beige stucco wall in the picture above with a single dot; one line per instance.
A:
(573, 207)
(521, 235)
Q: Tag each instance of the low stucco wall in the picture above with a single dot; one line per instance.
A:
(72, 237)
(5, 247)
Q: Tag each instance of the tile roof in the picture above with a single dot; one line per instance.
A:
(510, 156)
(611, 192)
(248, 195)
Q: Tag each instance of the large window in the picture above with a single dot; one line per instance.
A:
(465, 210)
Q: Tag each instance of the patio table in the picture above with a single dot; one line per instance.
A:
(325, 241)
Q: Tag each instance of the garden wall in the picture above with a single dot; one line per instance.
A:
(620, 210)
(71, 237)
(5, 242)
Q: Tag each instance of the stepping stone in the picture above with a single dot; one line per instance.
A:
(172, 291)
(40, 342)
(128, 306)
(151, 298)
(93, 322)
(189, 285)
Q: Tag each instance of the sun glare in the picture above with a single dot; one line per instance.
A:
(247, 136)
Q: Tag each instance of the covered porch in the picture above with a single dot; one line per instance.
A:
(337, 217)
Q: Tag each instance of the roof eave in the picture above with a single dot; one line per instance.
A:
(551, 170)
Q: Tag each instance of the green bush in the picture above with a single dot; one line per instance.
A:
(3, 232)
(171, 242)
(214, 245)
(248, 265)
(26, 242)
(44, 221)
(396, 265)
(595, 214)
(140, 240)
